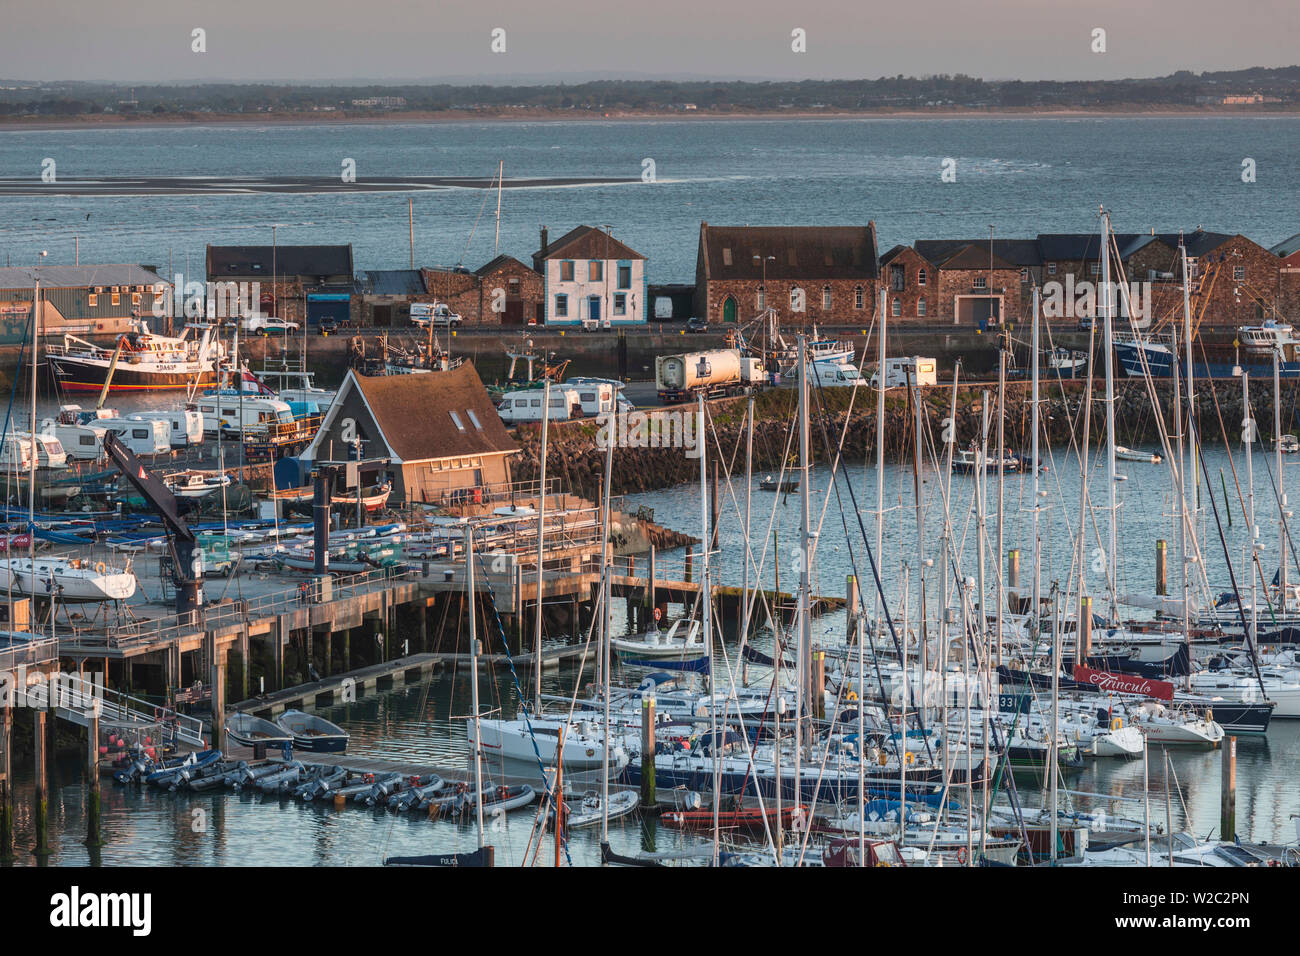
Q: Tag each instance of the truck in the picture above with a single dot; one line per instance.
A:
(716, 372)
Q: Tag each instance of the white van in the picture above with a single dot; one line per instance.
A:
(921, 371)
(140, 437)
(835, 375)
(525, 405)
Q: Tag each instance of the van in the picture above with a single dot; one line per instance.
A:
(898, 371)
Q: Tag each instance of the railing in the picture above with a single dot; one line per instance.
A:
(77, 698)
(39, 650)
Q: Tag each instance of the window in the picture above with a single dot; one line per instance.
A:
(921, 277)
(858, 297)
(625, 277)
(981, 282)
(620, 303)
(920, 306)
(762, 299)
(1238, 273)
(566, 271)
(897, 279)
(897, 307)
(92, 300)
(595, 270)
(796, 299)
(1024, 275)
(117, 299)
(455, 420)
(561, 305)
(86, 439)
(1094, 268)
(726, 257)
(505, 405)
(826, 297)
(1051, 268)
(229, 411)
(139, 433)
(536, 403)
(135, 298)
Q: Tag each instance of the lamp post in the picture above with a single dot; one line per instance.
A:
(762, 285)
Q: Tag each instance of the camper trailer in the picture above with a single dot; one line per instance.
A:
(899, 371)
(252, 415)
(184, 426)
(80, 442)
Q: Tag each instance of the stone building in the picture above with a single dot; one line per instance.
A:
(298, 283)
(806, 274)
(504, 291)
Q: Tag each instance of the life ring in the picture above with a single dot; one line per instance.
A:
(884, 758)
(909, 758)
(851, 696)
(658, 614)
(1117, 723)
(100, 567)
(961, 854)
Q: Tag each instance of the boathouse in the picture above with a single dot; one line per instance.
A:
(83, 300)
(443, 437)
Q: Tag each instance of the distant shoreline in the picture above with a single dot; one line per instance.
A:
(123, 121)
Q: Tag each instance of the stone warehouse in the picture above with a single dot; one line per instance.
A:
(805, 274)
(298, 283)
(503, 291)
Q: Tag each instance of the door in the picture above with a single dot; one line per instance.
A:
(729, 309)
(593, 307)
(383, 315)
(514, 313)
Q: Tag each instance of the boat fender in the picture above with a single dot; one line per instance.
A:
(1209, 715)
(884, 758)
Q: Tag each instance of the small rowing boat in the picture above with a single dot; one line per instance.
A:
(249, 731)
(312, 733)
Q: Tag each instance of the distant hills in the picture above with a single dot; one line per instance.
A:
(1257, 88)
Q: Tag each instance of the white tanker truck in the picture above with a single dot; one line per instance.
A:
(717, 372)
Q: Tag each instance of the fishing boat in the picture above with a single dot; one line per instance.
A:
(140, 360)
(69, 580)
(965, 462)
(249, 731)
(312, 733)
(786, 486)
(681, 640)
(195, 484)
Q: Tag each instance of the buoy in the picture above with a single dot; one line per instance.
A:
(103, 751)
(340, 801)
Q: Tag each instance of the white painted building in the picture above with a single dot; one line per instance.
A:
(591, 277)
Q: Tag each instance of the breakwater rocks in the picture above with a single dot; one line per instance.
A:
(651, 456)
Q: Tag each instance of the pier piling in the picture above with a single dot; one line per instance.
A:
(1162, 582)
(94, 835)
(1228, 791)
(6, 785)
(41, 803)
(647, 751)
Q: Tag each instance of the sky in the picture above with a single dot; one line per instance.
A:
(343, 41)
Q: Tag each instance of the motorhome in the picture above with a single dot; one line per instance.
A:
(15, 453)
(140, 437)
(914, 369)
(184, 425)
(80, 442)
(596, 398)
(525, 405)
(49, 451)
(834, 375)
(253, 415)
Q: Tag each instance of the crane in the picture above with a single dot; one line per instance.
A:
(186, 561)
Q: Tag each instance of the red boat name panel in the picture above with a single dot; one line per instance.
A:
(1124, 683)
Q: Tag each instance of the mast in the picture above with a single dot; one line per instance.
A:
(706, 601)
(541, 538)
(1110, 408)
(1033, 453)
(805, 543)
(981, 494)
(1277, 468)
(37, 315)
(473, 680)
(496, 242)
(880, 455)
(744, 587)
(1184, 514)
(1248, 439)
(1002, 454)
(861, 631)
(607, 594)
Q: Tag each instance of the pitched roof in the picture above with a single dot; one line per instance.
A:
(1016, 252)
(500, 262)
(394, 282)
(974, 256)
(1287, 246)
(77, 277)
(1086, 246)
(413, 413)
(798, 252)
(586, 242)
(309, 261)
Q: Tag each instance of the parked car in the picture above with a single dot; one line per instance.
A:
(422, 313)
(266, 324)
(328, 327)
(697, 324)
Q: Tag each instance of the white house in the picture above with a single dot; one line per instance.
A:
(590, 275)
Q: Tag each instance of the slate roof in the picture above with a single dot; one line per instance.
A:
(309, 262)
(799, 252)
(585, 242)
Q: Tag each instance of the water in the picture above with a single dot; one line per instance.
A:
(1023, 175)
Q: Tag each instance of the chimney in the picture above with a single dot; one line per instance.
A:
(545, 241)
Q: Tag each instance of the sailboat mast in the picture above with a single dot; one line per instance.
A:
(37, 316)
(706, 600)
(744, 587)
(496, 242)
(1277, 469)
(1248, 439)
(473, 681)
(606, 596)
(880, 452)
(541, 538)
(805, 544)
(1033, 464)
(1110, 406)
(1002, 455)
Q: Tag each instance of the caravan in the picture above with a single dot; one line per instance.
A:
(253, 415)
(899, 371)
(141, 437)
(184, 426)
(525, 405)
